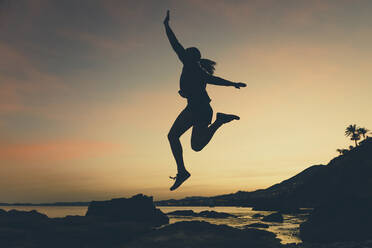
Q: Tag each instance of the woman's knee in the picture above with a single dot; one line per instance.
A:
(172, 136)
(196, 146)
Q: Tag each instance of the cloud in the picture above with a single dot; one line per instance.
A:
(102, 44)
(292, 13)
(233, 10)
(56, 150)
(20, 79)
(124, 11)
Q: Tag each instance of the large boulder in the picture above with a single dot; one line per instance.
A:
(340, 220)
(195, 234)
(22, 219)
(139, 208)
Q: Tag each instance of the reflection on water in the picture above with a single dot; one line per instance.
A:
(286, 231)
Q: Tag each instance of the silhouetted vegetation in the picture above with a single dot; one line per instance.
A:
(355, 133)
(352, 132)
(344, 175)
(342, 151)
(363, 131)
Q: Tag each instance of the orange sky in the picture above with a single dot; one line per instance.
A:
(88, 92)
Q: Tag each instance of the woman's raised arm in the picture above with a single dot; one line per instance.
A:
(177, 47)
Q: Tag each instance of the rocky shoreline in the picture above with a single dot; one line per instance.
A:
(136, 222)
(124, 222)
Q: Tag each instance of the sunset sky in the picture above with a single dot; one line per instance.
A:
(88, 92)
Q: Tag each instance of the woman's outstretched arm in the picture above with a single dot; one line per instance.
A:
(177, 47)
(223, 82)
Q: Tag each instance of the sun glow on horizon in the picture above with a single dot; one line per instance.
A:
(86, 102)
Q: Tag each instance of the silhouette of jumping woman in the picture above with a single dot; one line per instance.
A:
(196, 73)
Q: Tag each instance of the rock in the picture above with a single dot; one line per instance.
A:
(258, 215)
(347, 219)
(258, 225)
(137, 208)
(32, 215)
(204, 214)
(183, 213)
(214, 214)
(2, 212)
(275, 217)
(22, 219)
(203, 234)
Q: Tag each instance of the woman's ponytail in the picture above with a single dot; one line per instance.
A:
(208, 65)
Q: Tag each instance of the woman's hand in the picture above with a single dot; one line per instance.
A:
(166, 20)
(238, 85)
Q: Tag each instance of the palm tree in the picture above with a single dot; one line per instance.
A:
(355, 137)
(362, 131)
(351, 131)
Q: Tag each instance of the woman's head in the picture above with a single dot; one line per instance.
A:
(193, 54)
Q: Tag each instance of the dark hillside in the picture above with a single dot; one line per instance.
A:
(346, 176)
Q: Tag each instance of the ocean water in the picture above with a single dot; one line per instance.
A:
(51, 211)
(287, 231)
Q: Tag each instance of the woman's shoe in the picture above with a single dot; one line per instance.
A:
(179, 179)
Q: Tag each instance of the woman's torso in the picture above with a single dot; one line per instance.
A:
(193, 84)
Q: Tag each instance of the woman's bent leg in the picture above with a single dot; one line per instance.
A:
(202, 134)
